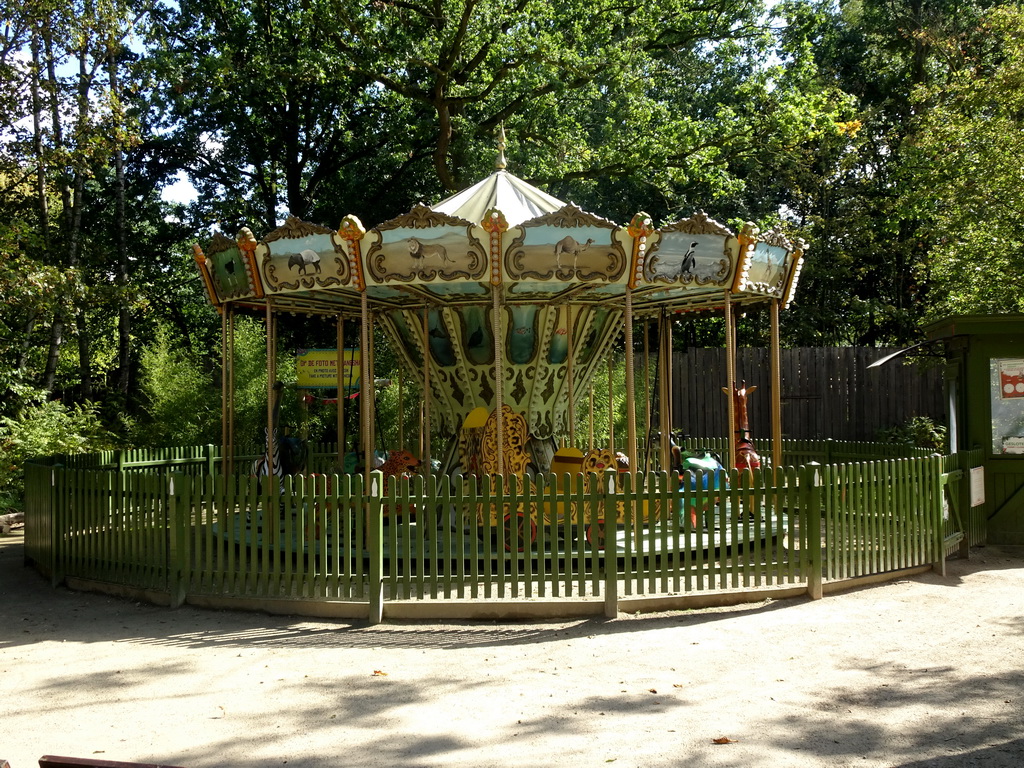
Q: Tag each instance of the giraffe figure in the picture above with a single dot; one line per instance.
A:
(746, 453)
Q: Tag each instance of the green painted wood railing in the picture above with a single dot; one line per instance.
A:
(160, 521)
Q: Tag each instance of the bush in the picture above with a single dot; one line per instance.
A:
(45, 429)
(919, 431)
(183, 401)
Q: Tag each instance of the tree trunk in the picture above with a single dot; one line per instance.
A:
(57, 326)
(120, 238)
(42, 200)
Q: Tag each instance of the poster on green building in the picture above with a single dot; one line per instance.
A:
(1007, 400)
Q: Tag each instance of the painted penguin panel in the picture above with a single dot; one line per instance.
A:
(228, 269)
(440, 339)
(691, 259)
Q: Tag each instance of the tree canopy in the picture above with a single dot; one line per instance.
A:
(883, 133)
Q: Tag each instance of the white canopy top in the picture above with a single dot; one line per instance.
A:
(516, 199)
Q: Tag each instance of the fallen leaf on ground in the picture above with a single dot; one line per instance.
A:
(723, 740)
(378, 673)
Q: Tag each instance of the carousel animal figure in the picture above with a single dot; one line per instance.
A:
(746, 453)
(596, 460)
(303, 260)
(284, 455)
(400, 464)
(691, 465)
(568, 246)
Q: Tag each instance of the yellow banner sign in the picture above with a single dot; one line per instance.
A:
(318, 368)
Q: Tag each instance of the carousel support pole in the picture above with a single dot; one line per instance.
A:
(776, 365)
(341, 375)
(230, 455)
(401, 415)
(365, 385)
(630, 386)
(664, 385)
(425, 423)
(569, 375)
(730, 374)
(271, 379)
(372, 404)
(499, 376)
(669, 376)
(611, 404)
(590, 439)
(224, 322)
(647, 395)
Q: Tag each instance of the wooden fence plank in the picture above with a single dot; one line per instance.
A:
(825, 392)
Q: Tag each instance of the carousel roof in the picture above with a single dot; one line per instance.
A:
(517, 200)
(501, 232)
(431, 277)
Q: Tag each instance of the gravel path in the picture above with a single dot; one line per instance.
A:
(927, 671)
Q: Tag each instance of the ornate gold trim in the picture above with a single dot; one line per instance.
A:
(699, 224)
(422, 217)
(219, 243)
(475, 253)
(268, 269)
(777, 239)
(295, 228)
(718, 278)
(569, 216)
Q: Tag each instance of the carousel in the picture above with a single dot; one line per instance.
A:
(504, 304)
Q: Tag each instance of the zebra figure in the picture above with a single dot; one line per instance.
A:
(287, 455)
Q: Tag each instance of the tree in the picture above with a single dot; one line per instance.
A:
(867, 280)
(331, 107)
(966, 162)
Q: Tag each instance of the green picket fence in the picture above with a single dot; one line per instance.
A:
(175, 527)
(882, 516)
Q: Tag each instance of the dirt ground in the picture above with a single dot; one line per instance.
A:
(927, 671)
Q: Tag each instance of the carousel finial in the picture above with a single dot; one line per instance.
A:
(501, 162)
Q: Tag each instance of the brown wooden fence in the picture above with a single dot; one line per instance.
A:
(826, 392)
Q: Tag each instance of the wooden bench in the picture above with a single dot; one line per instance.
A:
(55, 761)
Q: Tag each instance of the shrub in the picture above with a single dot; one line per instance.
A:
(919, 431)
(45, 429)
(182, 400)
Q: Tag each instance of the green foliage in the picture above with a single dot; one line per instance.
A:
(182, 400)
(386, 419)
(919, 431)
(867, 277)
(46, 428)
(970, 186)
(668, 107)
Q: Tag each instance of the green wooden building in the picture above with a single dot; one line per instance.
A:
(985, 385)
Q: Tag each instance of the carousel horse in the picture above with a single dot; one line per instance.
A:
(746, 453)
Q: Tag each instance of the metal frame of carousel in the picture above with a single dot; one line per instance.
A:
(500, 298)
